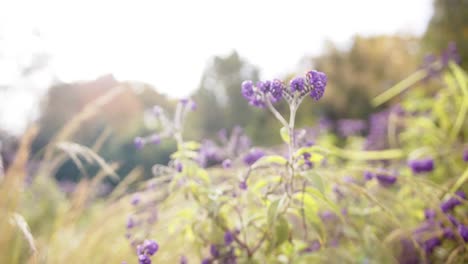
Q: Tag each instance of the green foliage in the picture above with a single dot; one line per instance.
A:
(448, 23)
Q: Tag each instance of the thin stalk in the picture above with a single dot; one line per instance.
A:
(276, 113)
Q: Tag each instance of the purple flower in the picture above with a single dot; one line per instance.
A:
(297, 84)
(327, 216)
(429, 214)
(350, 127)
(247, 89)
(178, 166)
(257, 100)
(139, 142)
(130, 223)
(276, 90)
(378, 127)
(465, 155)
(214, 251)
(264, 87)
(308, 163)
(431, 244)
(206, 261)
(228, 238)
(448, 233)
(183, 260)
(144, 259)
(243, 185)
(451, 54)
(452, 202)
(135, 199)
(155, 139)
(157, 110)
(150, 246)
(318, 80)
(386, 180)
(421, 165)
(227, 163)
(452, 219)
(253, 155)
(314, 246)
(463, 230)
(368, 175)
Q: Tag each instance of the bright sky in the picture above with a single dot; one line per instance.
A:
(168, 43)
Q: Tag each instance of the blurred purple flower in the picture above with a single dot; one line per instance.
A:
(206, 261)
(350, 127)
(135, 199)
(139, 142)
(431, 244)
(150, 246)
(243, 185)
(452, 202)
(421, 165)
(144, 259)
(368, 175)
(228, 238)
(386, 180)
(253, 155)
(227, 163)
(313, 246)
(130, 223)
(463, 231)
(214, 251)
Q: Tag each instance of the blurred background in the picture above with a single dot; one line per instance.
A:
(56, 57)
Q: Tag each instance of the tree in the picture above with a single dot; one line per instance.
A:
(371, 65)
(220, 102)
(122, 118)
(449, 23)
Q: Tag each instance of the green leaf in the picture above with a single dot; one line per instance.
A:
(399, 87)
(281, 231)
(316, 180)
(460, 77)
(274, 209)
(191, 145)
(284, 132)
(272, 212)
(312, 150)
(272, 159)
(317, 194)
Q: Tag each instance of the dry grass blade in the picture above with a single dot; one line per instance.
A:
(75, 123)
(11, 190)
(22, 225)
(75, 151)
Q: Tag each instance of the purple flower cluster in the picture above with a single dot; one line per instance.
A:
(223, 253)
(168, 127)
(384, 179)
(253, 155)
(431, 225)
(273, 91)
(146, 250)
(317, 80)
(452, 202)
(434, 65)
(350, 127)
(213, 153)
(421, 165)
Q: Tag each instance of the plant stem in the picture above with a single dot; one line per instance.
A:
(276, 113)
